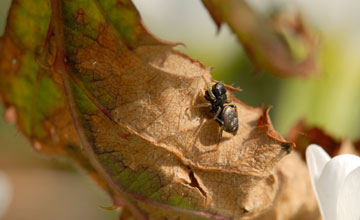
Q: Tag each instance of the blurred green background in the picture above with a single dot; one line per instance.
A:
(53, 189)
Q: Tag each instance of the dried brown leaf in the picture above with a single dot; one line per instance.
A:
(126, 98)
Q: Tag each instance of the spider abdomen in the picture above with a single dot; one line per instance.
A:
(230, 119)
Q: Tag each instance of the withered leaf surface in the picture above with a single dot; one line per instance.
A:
(88, 73)
(280, 43)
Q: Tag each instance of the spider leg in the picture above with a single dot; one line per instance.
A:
(209, 89)
(201, 105)
(221, 132)
(221, 123)
(217, 118)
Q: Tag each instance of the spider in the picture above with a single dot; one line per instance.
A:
(225, 113)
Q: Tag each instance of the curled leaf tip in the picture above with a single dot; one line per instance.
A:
(265, 123)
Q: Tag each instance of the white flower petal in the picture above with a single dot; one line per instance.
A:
(349, 197)
(330, 181)
(316, 158)
(5, 193)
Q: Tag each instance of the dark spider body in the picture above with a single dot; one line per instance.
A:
(225, 114)
(219, 92)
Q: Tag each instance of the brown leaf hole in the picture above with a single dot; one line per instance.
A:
(195, 183)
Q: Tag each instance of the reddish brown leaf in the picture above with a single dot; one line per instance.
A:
(272, 42)
(304, 135)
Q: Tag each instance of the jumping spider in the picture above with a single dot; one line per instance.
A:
(225, 114)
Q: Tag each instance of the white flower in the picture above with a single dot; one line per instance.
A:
(5, 193)
(336, 182)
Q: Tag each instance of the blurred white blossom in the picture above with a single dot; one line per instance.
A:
(6, 193)
(336, 182)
